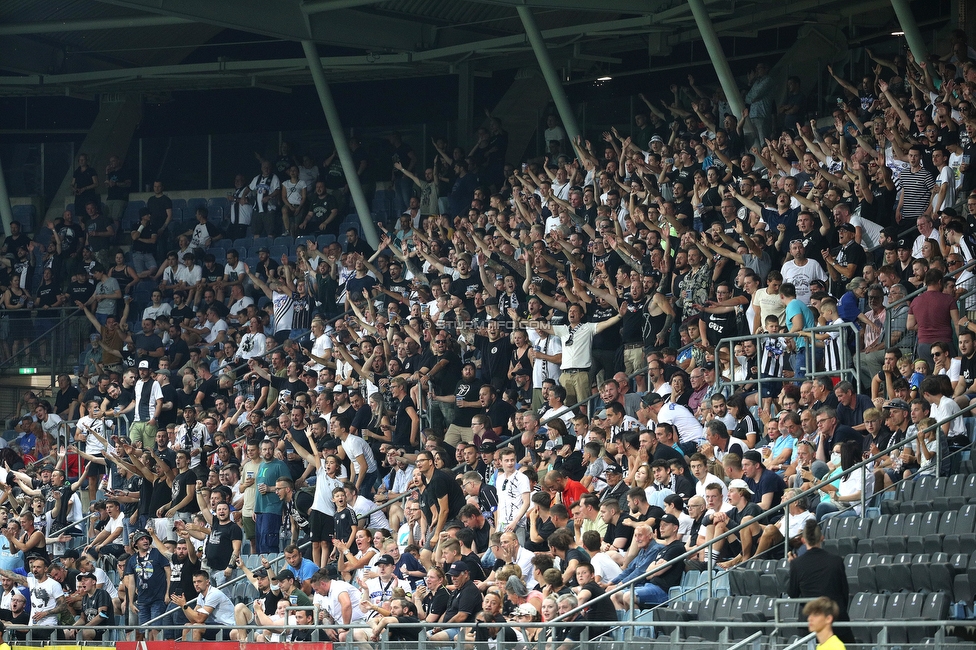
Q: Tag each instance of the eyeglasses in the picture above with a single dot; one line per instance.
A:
(954, 262)
(936, 354)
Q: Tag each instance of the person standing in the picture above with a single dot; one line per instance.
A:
(267, 505)
(149, 402)
(934, 315)
(147, 574)
(819, 573)
(577, 342)
(84, 183)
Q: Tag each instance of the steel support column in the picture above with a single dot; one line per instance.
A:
(903, 11)
(6, 214)
(341, 144)
(549, 72)
(717, 55)
(465, 104)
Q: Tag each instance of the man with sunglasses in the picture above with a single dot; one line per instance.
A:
(577, 339)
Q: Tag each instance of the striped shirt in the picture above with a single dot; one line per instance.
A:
(916, 190)
(284, 310)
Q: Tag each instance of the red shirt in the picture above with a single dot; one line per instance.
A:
(931, 311)
(573, 492)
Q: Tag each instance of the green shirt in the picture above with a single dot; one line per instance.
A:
(268, 473)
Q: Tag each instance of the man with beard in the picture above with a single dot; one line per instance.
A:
(223, 544)
(184, 562)
(322, 213)
(147, 574)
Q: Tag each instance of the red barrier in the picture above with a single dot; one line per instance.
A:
(220, 645)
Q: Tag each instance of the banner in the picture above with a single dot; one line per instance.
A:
(206, 645)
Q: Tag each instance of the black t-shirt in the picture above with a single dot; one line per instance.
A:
(80, 291)
(344, 521)
(632, 325)
(495, 357)
(92, 603)
(219, 546)
(672, 575)
(404, 425)
(445, 380)
(65, 398)
(182, 484)
(181, 575)
(467, 599)
(437, 602)
(22, 619)
(176, 348)
(719, 326)
(545, 529)
(158, 205)
(321, 208)
(499, 412)
(467, 391)
(442, 484)
(967, 369)
(84, 178)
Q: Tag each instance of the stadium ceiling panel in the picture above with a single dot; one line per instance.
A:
(80, 46)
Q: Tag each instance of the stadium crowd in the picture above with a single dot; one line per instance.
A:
(416, 415)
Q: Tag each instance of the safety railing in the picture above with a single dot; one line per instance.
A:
(914, 294)
(778, 634)
(49, 340)
(809, 355)
(281, 556)
(862, 467)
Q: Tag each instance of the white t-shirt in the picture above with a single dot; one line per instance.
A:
(321, 344)
(44, 597)
(293, 191)
(330, 601)
(604, 567)
(188, 275)
(542, 370)
(688, 426)
(579, 354)
(510, 490)
(947, 178)
(796, 523)
(802, 276)
(870, 231)
(215, 330)
(201, 236)
(155, 312)
(917, 246)
(355, 446)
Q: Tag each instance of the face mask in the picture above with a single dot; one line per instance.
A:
(741, 360)
(835, 459)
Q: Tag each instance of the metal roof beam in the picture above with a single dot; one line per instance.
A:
(52, 27)
(604, 6)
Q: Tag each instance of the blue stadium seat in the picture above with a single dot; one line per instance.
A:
(302, 241)
(252, 262)
(223, 244)
(26, 215)
(193, 204)
(179, 210)
(324, 240)
(241, 251)
(259, 242)
(218, 208)
(287, 242)
(243, 242)
(278, 251)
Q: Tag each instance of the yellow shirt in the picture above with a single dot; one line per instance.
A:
(833, 643)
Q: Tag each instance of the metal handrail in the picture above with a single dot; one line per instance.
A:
(281, 556)
(911, 296)
(37, 339)
(783, 506)
(424, 625)
(802, 334)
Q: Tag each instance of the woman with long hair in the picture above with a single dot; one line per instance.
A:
(432, 597)
(746, 428)
(379, 430)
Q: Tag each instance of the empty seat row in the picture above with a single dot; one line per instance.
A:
(766, 577)
(923, 573)
(932, 493)
(897, 607)
(757, 609)
(951, 531)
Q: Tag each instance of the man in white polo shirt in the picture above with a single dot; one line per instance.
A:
(577, 340)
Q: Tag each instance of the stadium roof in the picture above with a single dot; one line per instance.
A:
(84, 47)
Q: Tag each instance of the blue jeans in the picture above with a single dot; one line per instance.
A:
(174, 616)
(366, 489)
(799, 363)
(826, 509)
(650, 594)
(149, 609)
(266, 531)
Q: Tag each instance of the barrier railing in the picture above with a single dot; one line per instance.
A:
(779, 633)
(809, 352)
(911, 296)
(783, 506)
